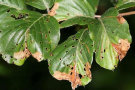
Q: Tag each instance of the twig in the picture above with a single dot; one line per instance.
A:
(120, 15)
(127, 13)
(97, 16)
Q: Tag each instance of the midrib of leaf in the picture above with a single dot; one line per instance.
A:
(10, 5)
(27, 30)
(105, 33)
(77, 50)
(46, 6)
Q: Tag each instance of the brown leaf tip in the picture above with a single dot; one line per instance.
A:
(38, 56)
(121, 20)
(73, 77)
(88, 72)
(122, 48)
(22, 54)
(52, 12)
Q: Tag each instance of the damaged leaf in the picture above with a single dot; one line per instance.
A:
(111, 38)
(34, 34)
(72, 59)
(52, 12)
(122, 48)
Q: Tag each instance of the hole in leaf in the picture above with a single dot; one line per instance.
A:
(60, 60)
(72, 68)
(80, 75)
(76, 39)
(73, 46)
(8, 10)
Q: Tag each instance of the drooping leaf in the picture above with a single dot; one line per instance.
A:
(111, 38)
(124, 4)
(17, 4)
(71, 8)
(40, 4)
(72, 59)
(25, 33)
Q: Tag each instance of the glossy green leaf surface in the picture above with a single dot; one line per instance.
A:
(79, 20)
(110, 35)
(17, 4)
(25, 33)
(71, 8)
(72, 59)
(124, 4)
(94, 4)
(40, 4)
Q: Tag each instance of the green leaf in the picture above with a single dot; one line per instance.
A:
(94, 4)
(72, 59)
(111, 38)
(78, 20)
(25, 33)
(124, 4)
(17, 4)
(40, 4)
(71, 8)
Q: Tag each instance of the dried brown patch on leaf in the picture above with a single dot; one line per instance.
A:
(121, 20)
(22, 54)
(122, 48)
(37, 55)
(87, 68)
(73, 77)
(52, 12)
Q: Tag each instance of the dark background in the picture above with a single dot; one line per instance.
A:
(35, 76)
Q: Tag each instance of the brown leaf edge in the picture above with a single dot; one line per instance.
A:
(52, 12)
(73, 76)
(121, 48)
(26, 53)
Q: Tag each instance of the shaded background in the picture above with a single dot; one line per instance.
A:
(35, 76)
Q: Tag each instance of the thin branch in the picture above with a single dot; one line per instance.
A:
(127, 13)
(97, 16)
(120, 15)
